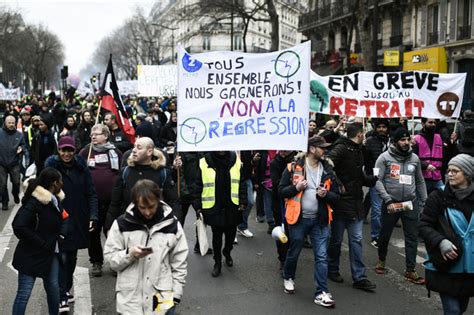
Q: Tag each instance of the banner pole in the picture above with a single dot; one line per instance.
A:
(96, 121)
(455, 126)
(178, 179)
(413, 126)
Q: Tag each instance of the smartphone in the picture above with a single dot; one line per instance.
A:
(147, 249)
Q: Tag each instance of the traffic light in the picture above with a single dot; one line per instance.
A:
(64, 72)
(93, 79)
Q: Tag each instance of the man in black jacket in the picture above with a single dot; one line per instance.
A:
(117, 137)
(349, 209)
(374, 146)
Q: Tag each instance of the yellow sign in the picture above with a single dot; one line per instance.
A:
(430, 59)
(391, 58)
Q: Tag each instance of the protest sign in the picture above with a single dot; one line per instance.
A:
(9, 94)
(128, 87)
(388, 94)
(240, 101)
(157, 80)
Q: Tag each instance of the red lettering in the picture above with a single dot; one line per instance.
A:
(408, 108)
(367, 104)
(351, 107)
(419, 104)
(395, 110)
(381, 108)
(335, 105)
(231, 109)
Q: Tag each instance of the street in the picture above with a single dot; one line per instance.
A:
(252, 286)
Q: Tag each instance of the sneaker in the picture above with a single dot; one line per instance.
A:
(16, 198)
(364, 284)
(324, 299)
(375, 243)
(289, 286)
(96, 270)
(413, 277)
(259, 219)
(335, 277)
(380, 268)
(236, 241)
(245, 233)
(63, 307)
(70, 298)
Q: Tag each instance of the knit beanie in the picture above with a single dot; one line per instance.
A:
(145, 129)
(465, 162)
(400, 133)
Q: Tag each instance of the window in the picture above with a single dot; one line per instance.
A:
(238, 42)
(433, 24)
(206, 42)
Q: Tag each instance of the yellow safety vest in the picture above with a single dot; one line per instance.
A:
(208, 195)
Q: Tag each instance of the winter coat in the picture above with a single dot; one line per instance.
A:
(454, 284)
(168, 134)
(131, 174)
(9, 143)
(82, 135)
(277, 167)
(162, 272)
(42, 147)
(38, 225)
(189, 175)
(287, 189)
(224, 212)
(374, 146)
(80, 201)
(393, 164)
(348, 162)
(118, 138)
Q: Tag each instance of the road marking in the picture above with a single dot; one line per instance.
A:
(7, 233)
(399, 243)
(82, 291)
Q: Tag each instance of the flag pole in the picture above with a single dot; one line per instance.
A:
(96, 120)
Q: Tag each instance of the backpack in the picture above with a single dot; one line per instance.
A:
(163, 176)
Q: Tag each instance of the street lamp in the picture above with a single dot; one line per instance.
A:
(172, 29)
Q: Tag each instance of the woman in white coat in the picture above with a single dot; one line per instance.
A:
(147, 248)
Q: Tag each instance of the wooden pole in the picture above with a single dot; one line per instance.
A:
(96, 120)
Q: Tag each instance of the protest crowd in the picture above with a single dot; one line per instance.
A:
(86, 178)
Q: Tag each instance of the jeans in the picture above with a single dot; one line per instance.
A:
(376, 205)
(217, 233)
(51, 286)
(268, 206)
(14, 173)
(246, 213)
(453, 305)
(432, 185)
(410, 231)
(319, 235)
(66, 272)
(354, 231)
(96, 254)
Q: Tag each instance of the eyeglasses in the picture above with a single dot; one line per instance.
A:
(454, 172)
(96, 134)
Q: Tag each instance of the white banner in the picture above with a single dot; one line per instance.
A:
(9, 94)
(128, 87)
(238, 101)
(157, 80)
(388, 94)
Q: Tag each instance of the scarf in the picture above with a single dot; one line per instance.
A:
(463, 193)
(113, 156)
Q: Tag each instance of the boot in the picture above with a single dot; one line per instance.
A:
(217, 270)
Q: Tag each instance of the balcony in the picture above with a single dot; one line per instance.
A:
(324, 14)
(433, 38)
(396, 40)
(464, 32)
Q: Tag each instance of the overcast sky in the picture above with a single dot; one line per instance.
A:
(80, 24)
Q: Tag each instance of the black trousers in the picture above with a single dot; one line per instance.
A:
(96, 254)
(217, 233)
(67, 265)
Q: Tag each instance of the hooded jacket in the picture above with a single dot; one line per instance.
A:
(38, 225)
(161, 273)
(131, 174)
(394, 165)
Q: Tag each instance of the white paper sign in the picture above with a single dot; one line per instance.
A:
(157, 80)
(238, 101)
(10, 94)
(388, 94)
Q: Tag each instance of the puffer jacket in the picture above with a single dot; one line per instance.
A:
(393, 164)
(162, 273)
(9, 143)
